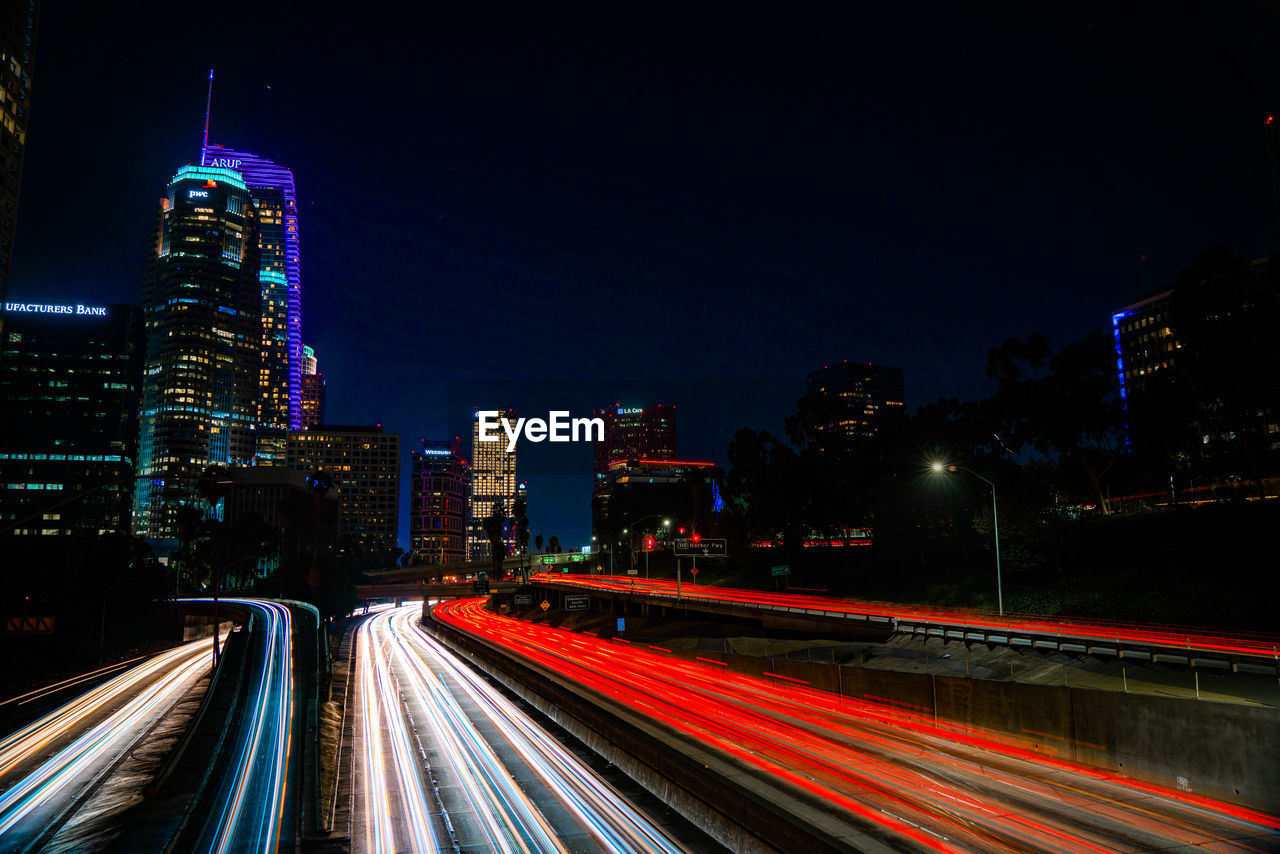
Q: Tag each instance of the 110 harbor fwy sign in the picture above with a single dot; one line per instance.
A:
(39, 308)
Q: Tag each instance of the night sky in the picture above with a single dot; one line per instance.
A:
(645, 203)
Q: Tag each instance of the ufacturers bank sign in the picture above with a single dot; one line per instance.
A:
(38, 308)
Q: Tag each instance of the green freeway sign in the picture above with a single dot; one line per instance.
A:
(712, 547)
(785, 569)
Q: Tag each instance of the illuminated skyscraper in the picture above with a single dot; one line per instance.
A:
(280, 277)
(70, 380)
(852, 401)
(201, 303)
(635, 433)
(493, 482)
(364, 463)
(312, 390)
(438, 505)
(17, 54)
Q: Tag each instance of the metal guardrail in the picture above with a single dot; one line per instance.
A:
(1010, 635)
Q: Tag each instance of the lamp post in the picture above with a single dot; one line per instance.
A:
(995, 523)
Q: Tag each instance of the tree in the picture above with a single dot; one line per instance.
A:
(767, 480)
(494, 526)
(537, 543)
(553, 545)
(1070, 415)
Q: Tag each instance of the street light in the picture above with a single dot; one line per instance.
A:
(995, 523)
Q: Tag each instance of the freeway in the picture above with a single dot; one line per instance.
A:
(49, 768)
(250, 811)
(1097, 631)
(446, 762)
(897, 780)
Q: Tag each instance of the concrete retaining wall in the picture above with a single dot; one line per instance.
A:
(1222, 750)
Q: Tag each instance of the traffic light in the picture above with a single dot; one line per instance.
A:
(697, 538)
(648, 543)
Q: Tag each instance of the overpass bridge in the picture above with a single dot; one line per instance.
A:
(401, 590)
(1242, 652)
(465, 570)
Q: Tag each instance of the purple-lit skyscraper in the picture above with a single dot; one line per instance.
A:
(279, 272)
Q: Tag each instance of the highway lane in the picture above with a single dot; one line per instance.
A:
(899, 777)
(250, 811)
(1100, 631)
(446, 760)
(48, 767)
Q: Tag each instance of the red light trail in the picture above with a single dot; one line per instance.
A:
(896, 776)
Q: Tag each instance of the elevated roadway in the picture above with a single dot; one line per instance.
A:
(1196, 647)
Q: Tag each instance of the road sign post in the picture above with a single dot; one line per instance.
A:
(780, 572)
(688, 547)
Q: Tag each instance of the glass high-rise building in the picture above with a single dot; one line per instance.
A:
(493, 482)
(438, 505)
(312, 390)
(279, 274)
(635, 433)
(70, 380)
(201, 305)
(18, 22)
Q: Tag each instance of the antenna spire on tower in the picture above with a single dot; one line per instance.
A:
(208, 105)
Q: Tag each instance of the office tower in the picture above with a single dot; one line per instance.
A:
(18, 22)
(201, 307)
(279, 273)
(851, 401)
(1196, 368)
(1146, 342)
(312, 390)
(493, 483)
(438, 505)
(70, 381)
(633, 433)
(364, 463)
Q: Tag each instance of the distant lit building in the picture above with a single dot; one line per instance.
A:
(493, 483)
(633, 433)
(201, 303)
(70, 383)
(438, 505)
(312, 390)
(365, 465)
(1172, 347)
(17, 62)
(279, 274)
(852, 401)
(1146, 342)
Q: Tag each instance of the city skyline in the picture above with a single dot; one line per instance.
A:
(904, 222)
